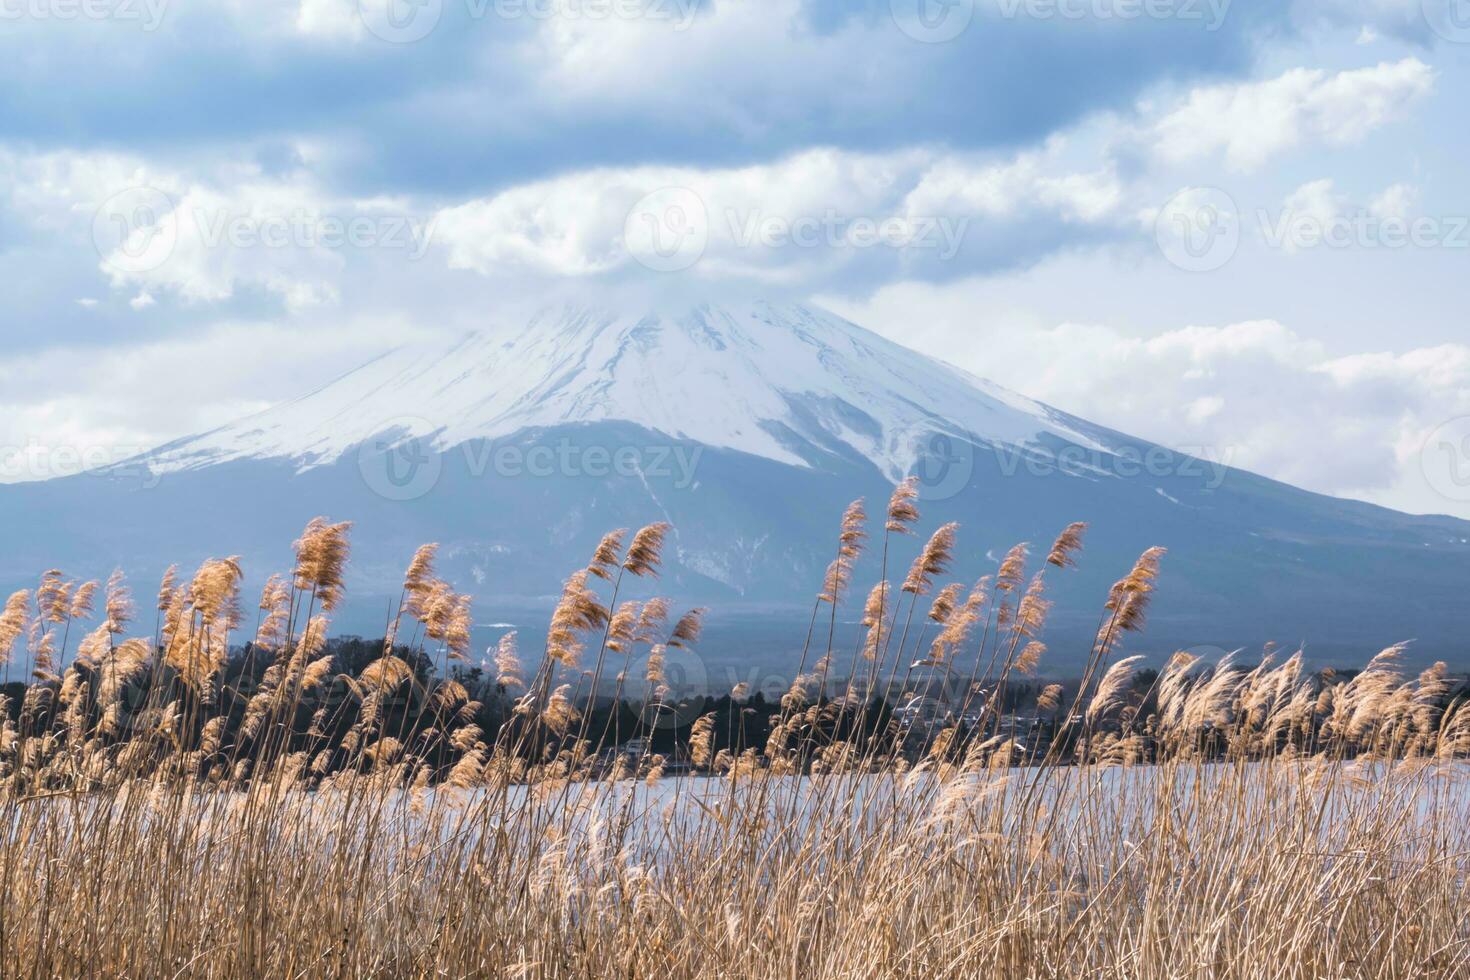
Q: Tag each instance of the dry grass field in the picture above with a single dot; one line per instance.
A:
(168, 812)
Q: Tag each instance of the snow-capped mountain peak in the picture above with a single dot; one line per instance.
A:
(792, 402)
(750, 379)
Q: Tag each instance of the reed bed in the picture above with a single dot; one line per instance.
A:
(176, 805)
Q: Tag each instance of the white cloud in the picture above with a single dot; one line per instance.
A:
(330, 20)
(1317, 199)
(1315, 205)
(1317, 213)
(999, 211)
(1256, 394)
(750, 67)
(1251, 122)
(205, 234)
(803, 217)
(1272, 399)
(68, 409)
(322, 20)
(1005, 190)
(1371, 19)
(286, 237)
(1397, 201)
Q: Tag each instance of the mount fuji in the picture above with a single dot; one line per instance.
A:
(747, 428)
(790, 385)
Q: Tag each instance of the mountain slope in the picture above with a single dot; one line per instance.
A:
(747, 429)
(763, 380)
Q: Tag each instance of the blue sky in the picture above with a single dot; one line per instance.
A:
(1234, 226)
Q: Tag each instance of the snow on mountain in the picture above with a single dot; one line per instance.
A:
(792, 413)
(746, 379)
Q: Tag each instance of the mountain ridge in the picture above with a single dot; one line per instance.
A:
(834, 380)
(785, 414)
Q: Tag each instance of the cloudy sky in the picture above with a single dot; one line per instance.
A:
(1240, 227)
